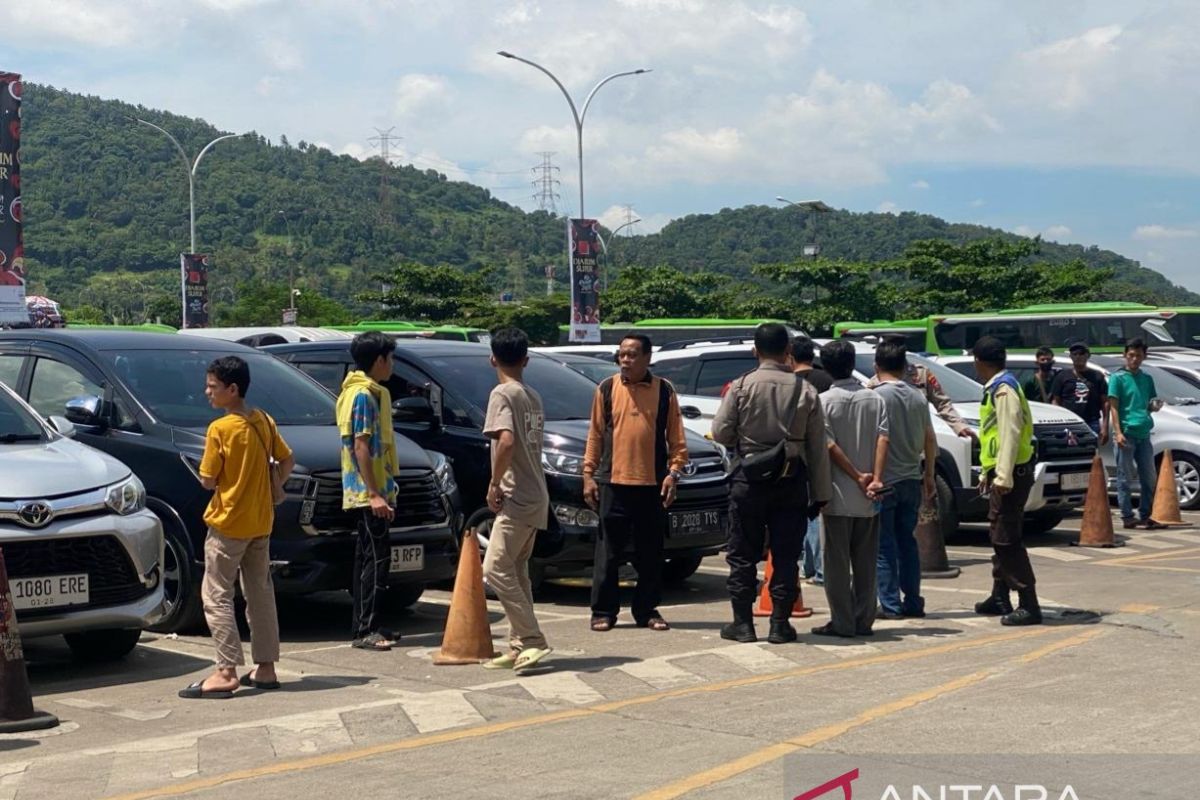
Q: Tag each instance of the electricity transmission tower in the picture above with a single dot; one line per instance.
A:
(546, 184)
(383, 141)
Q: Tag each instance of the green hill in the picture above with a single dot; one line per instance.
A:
(106, 216)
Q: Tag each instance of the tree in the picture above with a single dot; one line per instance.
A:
(259, 303)
(645, 293)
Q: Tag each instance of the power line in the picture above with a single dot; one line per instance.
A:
(546, 184)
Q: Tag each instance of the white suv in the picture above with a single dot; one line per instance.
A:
(1065, 444)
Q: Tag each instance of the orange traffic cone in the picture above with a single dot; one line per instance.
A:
(1166, 496)
(16, 703)
(1097, 527)
(468, 636)
(763, 609)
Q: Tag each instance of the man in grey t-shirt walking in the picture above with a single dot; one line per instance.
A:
(518, 496)
(856, 428)
(910, 435)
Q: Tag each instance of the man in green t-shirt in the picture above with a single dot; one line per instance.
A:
(1132, 398)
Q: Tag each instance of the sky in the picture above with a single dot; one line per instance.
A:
(1074, 120)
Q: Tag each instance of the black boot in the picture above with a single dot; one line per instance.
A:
(996, 605)
(1028, 613)
(781, 631)
(742, 627)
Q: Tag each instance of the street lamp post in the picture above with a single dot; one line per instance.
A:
(189, 167)
(815, 206)
(579, 115)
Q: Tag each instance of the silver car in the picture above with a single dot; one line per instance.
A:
(84, 556)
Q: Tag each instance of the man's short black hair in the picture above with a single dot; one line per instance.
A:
(1044, 351)
(368, 347)
(803, 351)
(990, 350)
(643, 339)
(1136, 343)
(838, 359)
(510, 346)
(232, 371)
(891, 356)
(771, 340)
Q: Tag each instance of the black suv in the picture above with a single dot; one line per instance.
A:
(440, 391)
(140, 397)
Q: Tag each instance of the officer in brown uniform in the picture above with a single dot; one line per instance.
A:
(920, 377)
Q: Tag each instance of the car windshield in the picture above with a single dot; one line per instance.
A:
(565, 393)
(1172, 388)
(593, 369)
(16, 423)
(170, 383)
(959, 388)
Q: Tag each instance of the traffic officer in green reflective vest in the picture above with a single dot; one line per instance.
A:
(1007, 457)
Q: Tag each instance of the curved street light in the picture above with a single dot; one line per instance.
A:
(578, 115)
(189, 167)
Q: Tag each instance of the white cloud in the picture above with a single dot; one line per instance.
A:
(1056, 233)
(978, 202)
(266, 85)
(1063, 73)
(919, 184)
(356, 150)
(418, 92)
(83, 21)
(282, 55)
(1164, 232)
(519, 14)
(1025, 230)
(887, 207)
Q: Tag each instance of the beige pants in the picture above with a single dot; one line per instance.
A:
(224, 557)
(506, 570)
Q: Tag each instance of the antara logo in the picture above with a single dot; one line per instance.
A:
(980, 792)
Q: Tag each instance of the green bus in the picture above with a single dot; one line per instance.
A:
(668, 330)
(1104, 326)
(146, 327)
(403, 329)
(914, 331)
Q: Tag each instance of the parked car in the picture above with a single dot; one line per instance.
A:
(1176, 425)
(440, 391)
(1065, 444)
(140, 397)
(269, 334)
(594, 369)
(84, 556)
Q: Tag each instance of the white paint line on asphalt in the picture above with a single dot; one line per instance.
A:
(660, 673)
(1058, 554)
(310, 733)
(1146, 541)
(847, 650)
(437, 711)
(133, 771)
(564, 688)
(1178, 536)
(104, 708)
(754, 658)
(10, 778)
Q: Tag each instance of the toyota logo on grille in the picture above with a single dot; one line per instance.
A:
(35, 515)
(689, 468)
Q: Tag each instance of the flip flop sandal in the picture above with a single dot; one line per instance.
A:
(374, 642)
(530, 657)
(601, 624)
(655, 624)
(506, 661)
(196, 691)
(249, 680)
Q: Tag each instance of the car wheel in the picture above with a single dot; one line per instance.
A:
(1042, 522)
(1187, 479)
(181, 586)
(947, 511)
(678, 570)
(481, 523)
(100, 646)
(404, 595)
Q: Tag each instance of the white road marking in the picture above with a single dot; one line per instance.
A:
(104, 708)
(1058, 554)
(1146, 541)
(303, 734)
(1178, 536)
(848, 650)
(437, 711)
(132, 770)
(10, 778)
(754, 658)
(560, 687)
(660, 673)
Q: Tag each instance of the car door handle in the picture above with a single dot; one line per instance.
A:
(691, 412)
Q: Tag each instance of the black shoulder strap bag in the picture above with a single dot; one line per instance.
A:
(768, 466)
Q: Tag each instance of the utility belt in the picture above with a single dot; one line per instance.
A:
(1019, 471)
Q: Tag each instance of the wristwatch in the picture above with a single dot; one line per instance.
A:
(676, 474)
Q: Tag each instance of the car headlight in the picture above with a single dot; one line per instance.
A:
(581, 517)
(127, 496)
(296, 484)
(726, 460)
(561, 463)
(443, 472)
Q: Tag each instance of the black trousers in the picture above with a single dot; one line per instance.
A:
(629, 513)
(372, 560)
(1006, 515)
(765, 518)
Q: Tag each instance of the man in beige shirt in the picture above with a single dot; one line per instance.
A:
(762, 409)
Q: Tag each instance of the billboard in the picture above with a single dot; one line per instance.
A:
(583, 242)
(194, 268)
(12, 250)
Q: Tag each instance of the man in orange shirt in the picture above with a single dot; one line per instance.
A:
(236, 466)
(635, 452)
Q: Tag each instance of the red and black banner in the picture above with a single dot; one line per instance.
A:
(195, 290)
(12, 249)
(586, 247)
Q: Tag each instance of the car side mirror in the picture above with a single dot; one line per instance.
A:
(63, 425)
(414, 410)
(86, 410)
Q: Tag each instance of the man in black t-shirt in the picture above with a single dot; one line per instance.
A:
(1083, 391)
(1037, 387)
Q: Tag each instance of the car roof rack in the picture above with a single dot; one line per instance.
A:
(684, 344)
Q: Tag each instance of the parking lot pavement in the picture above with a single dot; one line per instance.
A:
(634, 712)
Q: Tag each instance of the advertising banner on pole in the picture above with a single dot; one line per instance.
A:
(583, 242)
(194, 269)
(12, 249)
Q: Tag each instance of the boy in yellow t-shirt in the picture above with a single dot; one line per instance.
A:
(238, 450)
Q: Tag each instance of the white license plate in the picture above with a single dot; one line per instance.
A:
(53, 591)
(1074, 480)
(408, 557)
(307, 509)
(695, 523)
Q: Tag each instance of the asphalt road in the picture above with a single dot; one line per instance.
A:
(636, 713)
